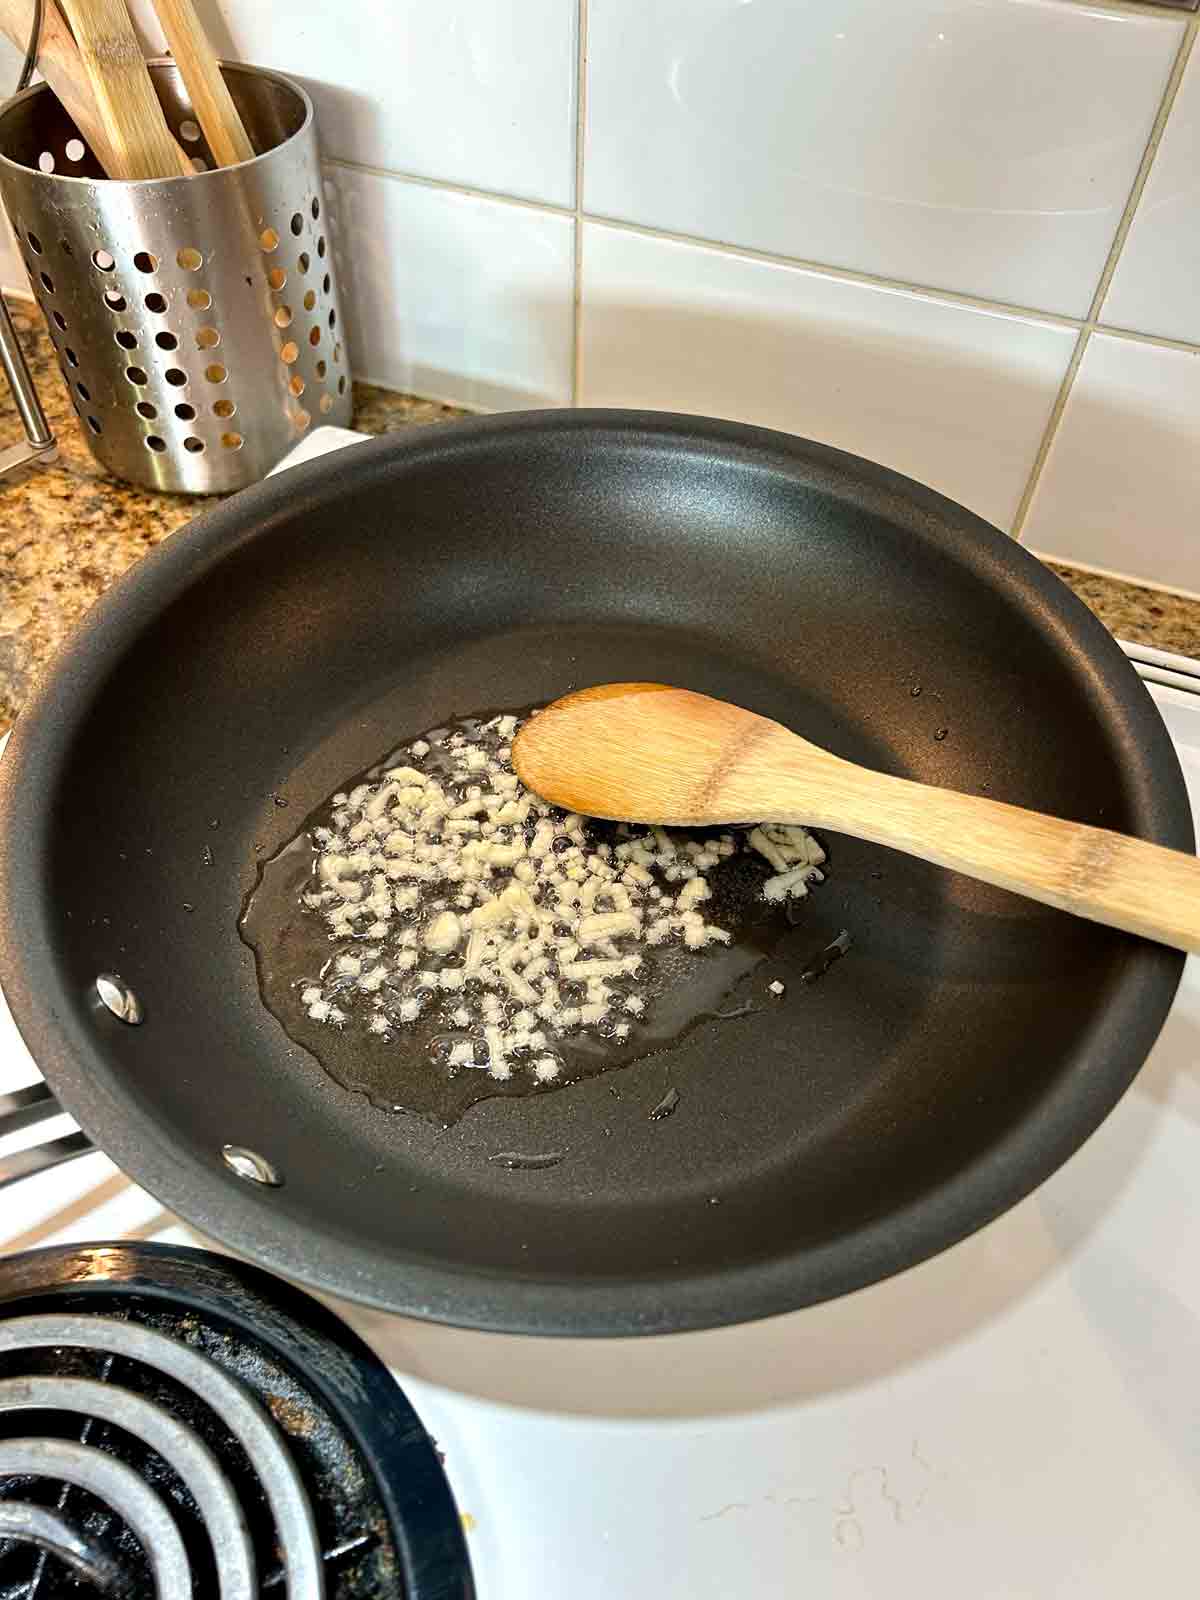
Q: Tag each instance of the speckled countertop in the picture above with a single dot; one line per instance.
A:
(68, 529)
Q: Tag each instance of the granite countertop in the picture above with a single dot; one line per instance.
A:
(68, 529)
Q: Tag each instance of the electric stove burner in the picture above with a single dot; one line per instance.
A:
(175, 1424)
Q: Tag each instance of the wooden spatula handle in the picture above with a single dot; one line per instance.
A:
(139, 140)
(1106, 877)
(211, 101)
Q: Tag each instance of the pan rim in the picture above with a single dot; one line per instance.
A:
(243, 1220)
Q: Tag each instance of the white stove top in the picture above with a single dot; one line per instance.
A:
(1020, 1416)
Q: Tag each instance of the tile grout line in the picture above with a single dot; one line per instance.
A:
(824, 269)
(950, 297)
(1091, 321)
(448, 186)
(724, 246)
(1160, 341)
(1158, 128)
(577, 261)
(1017, 526)
(875, 280)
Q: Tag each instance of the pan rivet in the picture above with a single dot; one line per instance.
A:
(249, 1164)
(119, 998)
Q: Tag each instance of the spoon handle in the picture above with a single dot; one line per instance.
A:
(1107, 877)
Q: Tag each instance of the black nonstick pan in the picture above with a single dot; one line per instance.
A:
(963, 1048)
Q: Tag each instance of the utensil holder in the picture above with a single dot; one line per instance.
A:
(196, 320)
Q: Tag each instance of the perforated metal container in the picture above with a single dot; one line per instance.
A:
(196, 320)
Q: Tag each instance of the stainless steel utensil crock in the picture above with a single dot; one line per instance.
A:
(196, 320)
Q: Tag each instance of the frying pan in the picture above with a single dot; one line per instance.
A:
(966, 1045)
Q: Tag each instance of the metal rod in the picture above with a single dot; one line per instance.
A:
(33, 418)
(1184, 681)
(25, 1108)
(24, 1163)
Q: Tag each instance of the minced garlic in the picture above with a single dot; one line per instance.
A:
(451, 893)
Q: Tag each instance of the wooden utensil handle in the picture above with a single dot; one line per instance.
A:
(1091, 872)
(139, 140)
(211, 101)
(59, 64)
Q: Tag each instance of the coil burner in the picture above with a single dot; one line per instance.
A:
(176, 1424)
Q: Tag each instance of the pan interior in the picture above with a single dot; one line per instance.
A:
(506, 568)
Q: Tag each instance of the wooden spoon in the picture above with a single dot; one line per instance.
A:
(644, 752)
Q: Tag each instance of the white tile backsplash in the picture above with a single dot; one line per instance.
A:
(983, 146)
(1156, 287)
(953, 396)
(453, 296)
(972, 150)
(471, 91)
(1121, 487)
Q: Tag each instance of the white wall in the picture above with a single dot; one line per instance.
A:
(959, 236)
